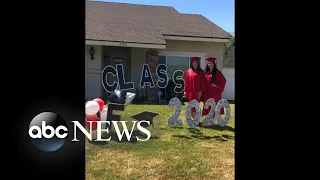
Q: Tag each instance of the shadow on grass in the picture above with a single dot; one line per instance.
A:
(176, 127)
(171, 127)
(228, 136)
(217, 127)
(182, 136)
(114, 137)
(196, 133)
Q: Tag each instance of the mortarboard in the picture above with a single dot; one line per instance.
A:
(147, 116)
(211, 59)
(195, 58)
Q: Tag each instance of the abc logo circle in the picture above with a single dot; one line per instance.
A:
(48, 131)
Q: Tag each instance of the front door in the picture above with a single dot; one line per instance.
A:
(152, 61)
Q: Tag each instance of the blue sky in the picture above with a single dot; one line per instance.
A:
(221, 12)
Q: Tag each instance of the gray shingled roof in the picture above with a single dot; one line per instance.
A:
(108, 21)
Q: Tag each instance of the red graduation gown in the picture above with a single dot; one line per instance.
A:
(214, 92)
(194, 83)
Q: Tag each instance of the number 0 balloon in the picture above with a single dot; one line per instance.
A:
(223, 103)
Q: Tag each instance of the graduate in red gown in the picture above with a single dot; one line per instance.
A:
(215, 84)
(194, 83)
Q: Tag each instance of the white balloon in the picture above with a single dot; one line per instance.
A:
(92, 107)
(103, 114)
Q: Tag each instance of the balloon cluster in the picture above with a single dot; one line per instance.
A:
(95, 111)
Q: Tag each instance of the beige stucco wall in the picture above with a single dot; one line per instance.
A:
(210, 48)
(93, 72)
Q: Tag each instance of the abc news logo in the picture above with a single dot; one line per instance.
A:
(48, 131)
(45, 128)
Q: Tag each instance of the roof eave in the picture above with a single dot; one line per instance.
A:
(125, 44)
(194, 38)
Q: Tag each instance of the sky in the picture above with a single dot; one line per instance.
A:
(221, 12)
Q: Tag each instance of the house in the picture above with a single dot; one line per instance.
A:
(132, 35)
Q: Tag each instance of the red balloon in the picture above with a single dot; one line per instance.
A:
(100, 102)
(93, 118)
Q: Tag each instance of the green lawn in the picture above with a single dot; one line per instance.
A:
(171, 153)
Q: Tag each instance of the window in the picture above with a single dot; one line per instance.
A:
(179, 60)
(175, 63)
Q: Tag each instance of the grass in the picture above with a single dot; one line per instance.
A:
(171, 153)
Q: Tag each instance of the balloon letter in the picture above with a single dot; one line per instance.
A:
(162, 75)
(108, 87)
(121, 80)
(146, 76)
(111, 108)
(178, 81)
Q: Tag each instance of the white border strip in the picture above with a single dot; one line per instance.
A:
(125, 44)
(181, 38)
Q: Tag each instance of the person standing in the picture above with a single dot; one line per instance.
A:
(215, 84)
(194, 83)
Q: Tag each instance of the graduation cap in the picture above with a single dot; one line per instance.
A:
(195, 59)
(211, 59)
(147, 116)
